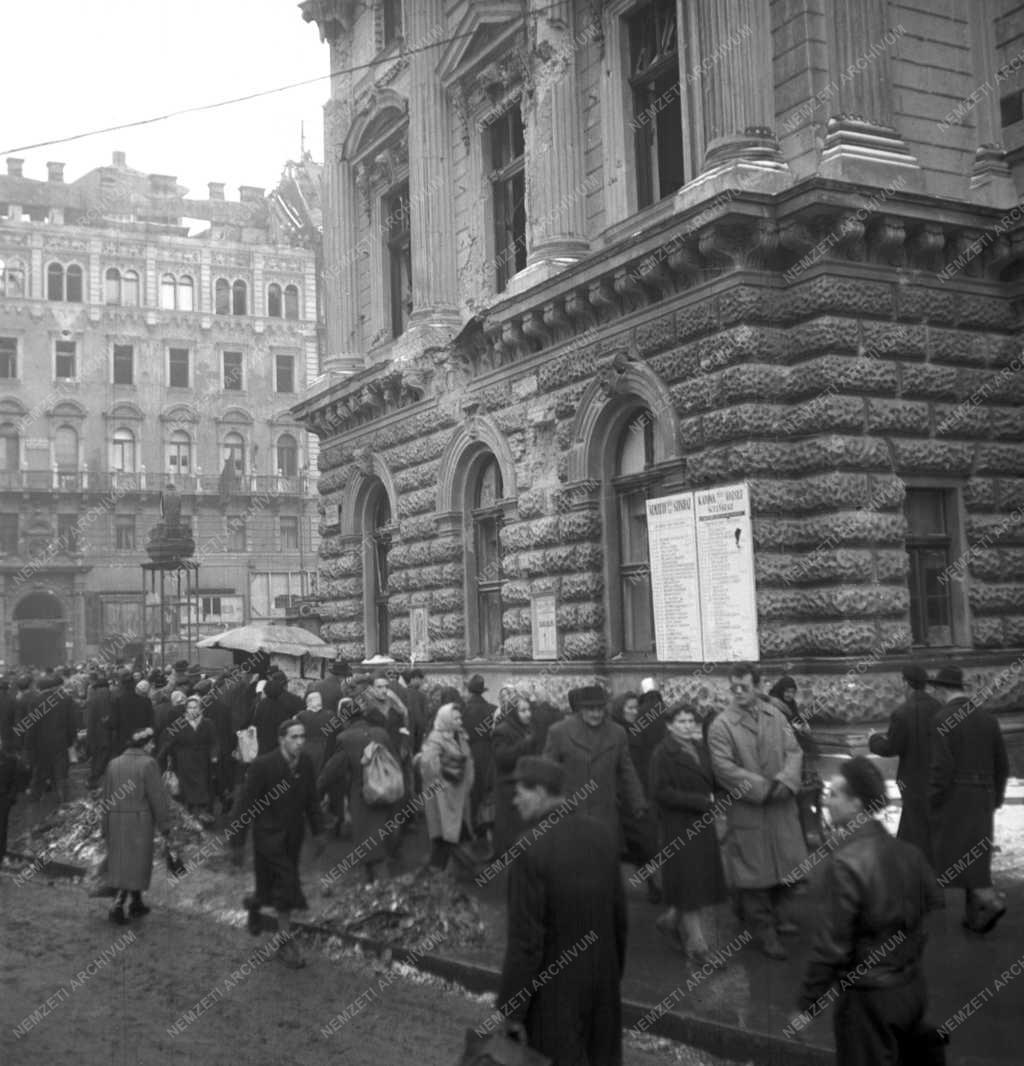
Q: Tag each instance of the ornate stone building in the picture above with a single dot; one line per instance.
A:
(147, 339)
(581, 255)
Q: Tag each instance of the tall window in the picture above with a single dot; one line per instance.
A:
(74, 284)
(124, 532)
(222, 297)
(8, 357)
(168, 292)
(284, 373)
(64, 285)
(112, 286)
(65, 448)
(391, 13)
(123, 451)
(657, 109)
(274, 303)
(234, 452)
(378, 545)
(179, 453)
(64, 363)
(232, 363)
(486, 518)
(130, 288)
(632, 486)
(930, 524)
(186, 294)
(9, 450)
(68, 533)
(289, 533)
(236, 533)
(398, 233)
(12, 279)
(9, 533)
(239, 298)
(287, 455)
(291, 301)
(508, 195)
(124, 364)
(178, 368)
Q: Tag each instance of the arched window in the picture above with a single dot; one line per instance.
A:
(239, 298)
(291, 301)
(12, 278)
(222, 297)
(122, 457)
(9, 449)
(74, 284)
(55, 282)
(486, 491)
(185, 294)
(179, 453)
(234, 452)
(632, 486)
(112, 286)
(168, 291)
(287, 455)
(130, 289)
(274, 304)
(65, 448)
(377, 545)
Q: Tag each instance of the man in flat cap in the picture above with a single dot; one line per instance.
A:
(594, 753)
(969, 773)
(566, 944)
(912, 733)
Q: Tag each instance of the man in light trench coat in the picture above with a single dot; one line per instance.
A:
(755, 756)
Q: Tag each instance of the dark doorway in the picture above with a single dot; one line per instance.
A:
(41, 628)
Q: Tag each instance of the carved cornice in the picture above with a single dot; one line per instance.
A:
(334, 18)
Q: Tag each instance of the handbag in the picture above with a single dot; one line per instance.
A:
(499, 1049)
(171, 783)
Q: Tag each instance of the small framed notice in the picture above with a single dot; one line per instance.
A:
(419, 634)
(545, 627)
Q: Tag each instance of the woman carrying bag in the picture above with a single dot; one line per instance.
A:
(447, 767)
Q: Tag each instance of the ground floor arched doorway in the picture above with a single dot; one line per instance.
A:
(42, 629)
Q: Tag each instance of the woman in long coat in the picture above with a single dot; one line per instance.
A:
(682, 786)
(97, 729)
(447, 767)
(317, 720)
(514, 736)
(192, 746)
(342, 774)
(133, 802)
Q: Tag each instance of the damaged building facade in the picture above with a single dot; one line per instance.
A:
(579, 256)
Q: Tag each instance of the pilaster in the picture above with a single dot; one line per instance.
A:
(991, 182)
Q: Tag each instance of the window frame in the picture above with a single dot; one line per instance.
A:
(222, 296)
(504, 177)
(290, 524)
(292, 470)
(68, 465)
(240, 387)
(10, 532)
(115, 349)
(392, 23)
(185, 284)
(112, 296)
(292, 302)
(58, 355)
(396, 230)
(484, 522)
(168, 298)
(237, 533)
(131, 289)
(9, 358)
(278, 367)
(171, 349)
(174, 449)
(125, 524)
(275, 300)
(239, 297)
(117, 444)
(11, 269)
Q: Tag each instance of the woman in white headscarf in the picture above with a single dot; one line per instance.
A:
(447, 768)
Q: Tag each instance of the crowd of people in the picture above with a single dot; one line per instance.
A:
(705, 806)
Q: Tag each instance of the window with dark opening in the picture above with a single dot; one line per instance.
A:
(930, 551)
(632, 486)
(508, 195)
(178, 368)
(486, 519)
(397, 229)
(124, 364)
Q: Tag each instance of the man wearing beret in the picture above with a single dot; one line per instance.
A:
(566, 944)
(594, 753)
(910, 738)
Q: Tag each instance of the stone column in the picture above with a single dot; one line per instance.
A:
(991, 182)
(861, 144)
(731, 80)
(434, 318)
(556, 186)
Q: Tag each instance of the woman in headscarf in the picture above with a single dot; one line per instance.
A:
(447, 767)
(513, 737)
(682, 786)
(783, 696)
(342, 775)
(191, 746)
(317, 720)
(133, 801)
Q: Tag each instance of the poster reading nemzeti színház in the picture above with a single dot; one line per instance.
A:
(702, 575)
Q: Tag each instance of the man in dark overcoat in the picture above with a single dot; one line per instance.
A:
(51, 731)
(97, 728)
(877, 892)
(594, 753)
(566, 943)
(478, 721)
(910, 737)
(278, 797)
(132, 711)
(969, 774)
(277, 706)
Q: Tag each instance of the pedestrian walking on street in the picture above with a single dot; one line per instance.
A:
(514, 736)
(134, 801)
(191, 751)
(566, 921)
(97, 729)
(10, 772)
(50, 731)
(682, 787)
(757, 760)
(910, 738)
(876, 892)
(969, 773)
(278, 797)
(447, 768)
(478, 719)
(278, 705)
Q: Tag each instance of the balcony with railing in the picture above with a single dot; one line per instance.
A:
(56, 480)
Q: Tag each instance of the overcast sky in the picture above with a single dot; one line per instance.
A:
(71, 67)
